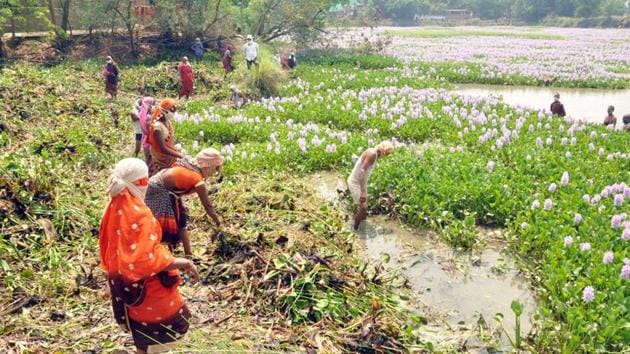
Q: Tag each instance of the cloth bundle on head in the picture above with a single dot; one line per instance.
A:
(209, 158)
(386, 147)
(126, 172)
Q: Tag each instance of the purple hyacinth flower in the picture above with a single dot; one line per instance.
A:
(577, 219)
(548, 204)
(588, 294)
(625, 271)
(608, 257)
(585, 247)
(565, 179)
(619, 200)
(568, 241)
(490, 166)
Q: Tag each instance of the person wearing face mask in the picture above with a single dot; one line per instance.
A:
(251, 52)
(142, 275)
(168, 186)
(161, 137)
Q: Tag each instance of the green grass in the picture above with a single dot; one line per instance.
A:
(619, 69)
(445, 32)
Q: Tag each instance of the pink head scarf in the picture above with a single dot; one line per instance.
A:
(147, 102)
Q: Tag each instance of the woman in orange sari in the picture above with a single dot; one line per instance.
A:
(169, 186)
(142, 275)
(162, 137)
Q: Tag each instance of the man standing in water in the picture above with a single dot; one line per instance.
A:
(626, 122)
(557, 108)
(610, 119)
(358, 179)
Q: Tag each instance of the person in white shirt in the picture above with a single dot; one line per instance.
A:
(251, 51)
(358, 179)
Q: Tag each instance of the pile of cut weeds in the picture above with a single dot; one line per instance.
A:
(280, 275)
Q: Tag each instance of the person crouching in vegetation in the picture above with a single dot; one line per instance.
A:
(557, 108)
(358, 179)
(238, 99)
(167, 187)
(162, 137)
(610, 119)
(186, 78)
(110, 75)
(626, 122)
(142, 275)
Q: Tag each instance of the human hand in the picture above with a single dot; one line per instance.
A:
(191, 269)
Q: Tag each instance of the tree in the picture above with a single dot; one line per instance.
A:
(587, 8)
(300, 19)
(12, 11)
(196, 17)
(65, 14)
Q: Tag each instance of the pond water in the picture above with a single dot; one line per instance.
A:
(457, 287)
(587, 104)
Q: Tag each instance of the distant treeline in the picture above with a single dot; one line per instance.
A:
(527, 11)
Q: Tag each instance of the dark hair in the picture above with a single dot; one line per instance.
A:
(626, 119)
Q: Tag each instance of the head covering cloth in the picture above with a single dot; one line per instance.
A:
(209, 158)
(129, 238)
(147, 102)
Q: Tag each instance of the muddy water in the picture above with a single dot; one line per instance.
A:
(451, 286)
(587, 104)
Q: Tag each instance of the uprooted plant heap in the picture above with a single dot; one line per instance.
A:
(281, 275)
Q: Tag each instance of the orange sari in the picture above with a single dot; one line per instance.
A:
(160, 159)
(145, 297)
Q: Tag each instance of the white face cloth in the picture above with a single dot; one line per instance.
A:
(126, 172)
(169, 115)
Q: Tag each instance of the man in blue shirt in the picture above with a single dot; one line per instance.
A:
(197, 48)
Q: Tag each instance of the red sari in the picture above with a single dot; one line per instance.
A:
(186, 76)
(227, 60)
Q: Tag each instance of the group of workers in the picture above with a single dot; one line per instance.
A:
(111, 70)
(557, 108)
(146, 220)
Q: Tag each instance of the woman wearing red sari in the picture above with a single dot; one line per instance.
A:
(227, 60)
(142, 275)
(161, 137)
(186, 77)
